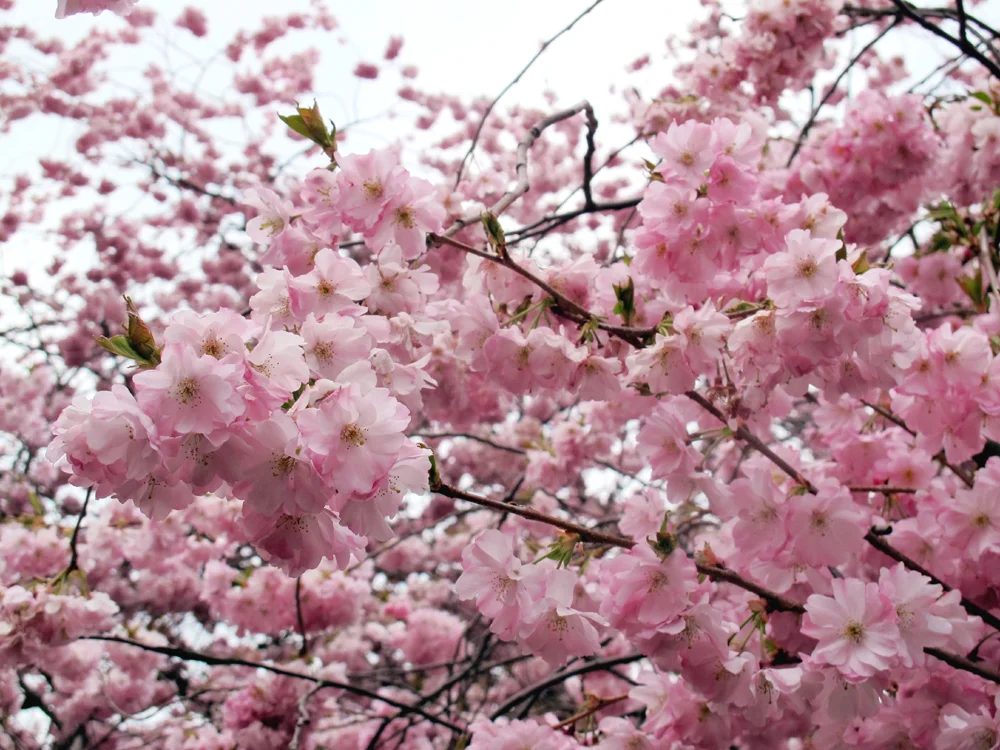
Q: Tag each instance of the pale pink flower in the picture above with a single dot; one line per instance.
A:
(278, 356)
(395, 285)
(157, 494)
(962, 730)
(704, 333)
(971, 520)
(72, 7)
(367, 184)
(663, 443)
(807, 270)
(914, 597)
(355, 436)
(557, 631)
(273, 214)
(826, 528)
(367, 514)
(643, 514)
(276, 474)
(518, 735)
(645, 590)
(662, 366)
(104, 440)
(596, 379)
(332, 343)
(188, 392)
(410, 215)
(728, 181)
(856, 628)
(687, 150)
(220, 334)
(621, 734)
(333, 286)
(299, 543)
(492, 576)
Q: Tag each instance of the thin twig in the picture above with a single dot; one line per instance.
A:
(73, 561)
(298, 614)
(188, 655)
(800, 141)
(492, 104)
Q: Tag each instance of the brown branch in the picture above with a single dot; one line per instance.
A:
(878, 542)
(467, 436)
(882, 411)
(748, 437)
(598, 665)
(304, 718)
(920, 16)
(216, 661)
(597, 703)
(73, 560)
(492, 104)
(564, 307)
(298, 614)
(960, 662)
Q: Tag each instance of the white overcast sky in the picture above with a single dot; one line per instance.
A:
(463, 47)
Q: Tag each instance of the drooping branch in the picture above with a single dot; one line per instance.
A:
(597, 665)
(217, 661)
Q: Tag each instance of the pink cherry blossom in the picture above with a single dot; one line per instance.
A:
(856, 628)
(190, 392)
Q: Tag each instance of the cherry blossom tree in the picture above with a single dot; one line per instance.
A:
(508, 435)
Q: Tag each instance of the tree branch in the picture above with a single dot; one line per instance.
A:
(492, 104)
(188, 655)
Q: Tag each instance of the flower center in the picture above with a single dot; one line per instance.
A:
(404, 216)
(273, 226)
(282, 465)
(353, 435)
(187, 390)
(854, 631)
(373, 188)
(213, 348)
(323, 351)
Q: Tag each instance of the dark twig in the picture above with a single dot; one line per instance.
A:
(298, 614)
(492, 104)
(877, 541)
(188, 655)
(800, 141)
(598, 665)
(73, 560)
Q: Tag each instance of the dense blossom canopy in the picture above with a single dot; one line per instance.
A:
(507, 436)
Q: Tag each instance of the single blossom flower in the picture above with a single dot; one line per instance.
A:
(857, 629)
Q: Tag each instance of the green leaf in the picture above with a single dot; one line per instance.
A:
(982, 96)
(973, 287)
(861, 264)
(296, 123)
(494, 233)
(309, 124)
(120, 346)
(140, 338)
(625, 307)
